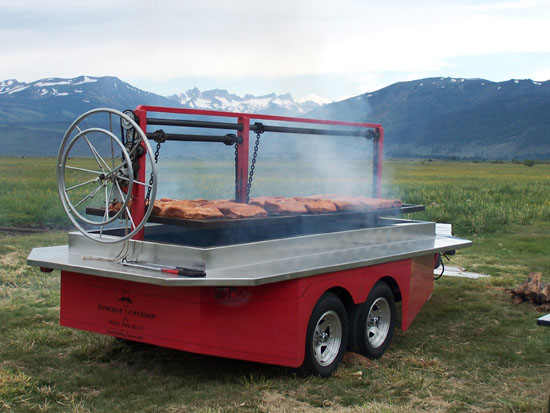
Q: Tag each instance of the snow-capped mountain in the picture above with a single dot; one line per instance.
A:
(60, 100)
(37, 112)
(456, 117)
(45, 86)
(470, 118)
(57, 99)
(79, 86)
(219, 99)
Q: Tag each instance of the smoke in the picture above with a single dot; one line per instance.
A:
(313, 165)
(341, 165)
(301, 165)
(192, 178)
(317, 165)
(287, 164)
(191, 170)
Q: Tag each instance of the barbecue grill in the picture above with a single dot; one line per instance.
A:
(288, 289)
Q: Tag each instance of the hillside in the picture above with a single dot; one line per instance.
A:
(34, 116)
(433, 117)
(469, 118)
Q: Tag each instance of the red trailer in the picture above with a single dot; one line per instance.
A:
(291, 290)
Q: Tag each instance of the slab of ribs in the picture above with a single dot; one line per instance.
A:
(263, 206)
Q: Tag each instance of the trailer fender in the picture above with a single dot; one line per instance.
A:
(418, 289)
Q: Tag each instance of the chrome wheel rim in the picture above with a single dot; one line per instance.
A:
(107, 176)
(104, 177)
(327, 338)
(378, 322)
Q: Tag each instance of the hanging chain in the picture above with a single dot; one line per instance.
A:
(160, 138)
(237, 180)
(258, 128)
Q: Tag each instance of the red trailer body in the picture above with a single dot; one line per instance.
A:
(266, 323)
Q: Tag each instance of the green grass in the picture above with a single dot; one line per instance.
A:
(477, 198)
(469, 349)
(29, 193)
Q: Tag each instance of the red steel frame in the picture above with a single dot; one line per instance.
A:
(243, 119)
(265, 323)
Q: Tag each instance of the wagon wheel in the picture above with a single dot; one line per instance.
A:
(97, 170)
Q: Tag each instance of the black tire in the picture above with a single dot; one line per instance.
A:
(373, 338)
(326, 337)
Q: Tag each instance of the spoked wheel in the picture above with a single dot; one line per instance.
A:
(326, 338)
(373, 322)
(98, 171)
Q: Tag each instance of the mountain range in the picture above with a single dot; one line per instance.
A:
(432, 117)
(219, 99)
(454, 117)
(34, 116)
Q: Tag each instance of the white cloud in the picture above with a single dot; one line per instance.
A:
(510, 4)
(366, 42)
(542, 74)
(312, 97)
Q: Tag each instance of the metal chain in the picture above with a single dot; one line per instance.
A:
(150, 187)
(259, 132)
(237, 180)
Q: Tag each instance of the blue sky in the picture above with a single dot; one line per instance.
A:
(331, 49)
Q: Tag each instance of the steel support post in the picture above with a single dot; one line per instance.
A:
(241, 179)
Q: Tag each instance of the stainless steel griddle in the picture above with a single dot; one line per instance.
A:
(309, 220)
(251, 263)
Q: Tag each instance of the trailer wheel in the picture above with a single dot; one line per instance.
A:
(327, 336)
(373, 321)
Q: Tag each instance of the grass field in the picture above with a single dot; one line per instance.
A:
(469, 349)
(476, 198)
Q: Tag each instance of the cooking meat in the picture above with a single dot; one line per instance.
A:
(260, 200)
(262, 206)
(160, 206)
(395, 203)
(238, 210)
(358, 203)
(326, 196)
(285, 206)
(115, 206)
(380, 203)
(219, 201)
(158, 209)
(192, 212)
(349, 204)
(319, 206)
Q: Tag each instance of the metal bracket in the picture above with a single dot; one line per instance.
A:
(373, 134)
(158, 136)
(231, 139)
(258, 128)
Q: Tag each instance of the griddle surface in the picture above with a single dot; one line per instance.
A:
(299, 219)
(274, 220)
